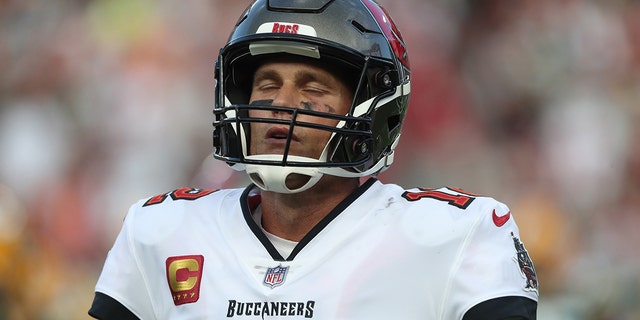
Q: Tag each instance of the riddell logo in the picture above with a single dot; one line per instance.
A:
(285, 28)
(184, 274)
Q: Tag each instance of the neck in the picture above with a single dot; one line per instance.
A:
(292, 216)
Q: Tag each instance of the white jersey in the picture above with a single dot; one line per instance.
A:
(383, 253)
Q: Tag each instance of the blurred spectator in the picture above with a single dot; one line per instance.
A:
(103, 102)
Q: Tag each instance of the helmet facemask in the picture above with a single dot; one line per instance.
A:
(275, 172)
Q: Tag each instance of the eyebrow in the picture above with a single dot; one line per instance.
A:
(306, 77)
(265, 74)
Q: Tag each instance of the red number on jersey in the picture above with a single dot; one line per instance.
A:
(461, 200)
(179, 194)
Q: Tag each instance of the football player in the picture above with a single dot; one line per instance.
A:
(310, 98)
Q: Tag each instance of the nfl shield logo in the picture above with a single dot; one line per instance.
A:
(275, 276)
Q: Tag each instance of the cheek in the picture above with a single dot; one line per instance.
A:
(317, 138)
(345, 104)
(257, 113)
(257, 130)
(318, 120)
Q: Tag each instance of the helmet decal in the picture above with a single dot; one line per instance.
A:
(284, 27)
(390, 31)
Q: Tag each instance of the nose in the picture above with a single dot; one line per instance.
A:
(286, 96)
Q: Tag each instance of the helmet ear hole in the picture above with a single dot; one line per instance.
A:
(393, 123)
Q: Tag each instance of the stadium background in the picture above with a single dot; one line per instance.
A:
(534, 102)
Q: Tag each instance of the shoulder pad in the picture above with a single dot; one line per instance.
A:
(179, 194)
(453, 196)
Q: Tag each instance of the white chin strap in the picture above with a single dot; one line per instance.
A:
(273, 178)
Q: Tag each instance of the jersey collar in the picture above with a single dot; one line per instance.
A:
(250, 199)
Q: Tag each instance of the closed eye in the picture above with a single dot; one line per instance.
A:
(267, 87)
(315, 91)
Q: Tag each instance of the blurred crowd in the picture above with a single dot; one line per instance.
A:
(533, 102)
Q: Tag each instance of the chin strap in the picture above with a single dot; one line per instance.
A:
(274, 178)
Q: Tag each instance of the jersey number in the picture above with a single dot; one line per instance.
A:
(179, 194)
(461, 200)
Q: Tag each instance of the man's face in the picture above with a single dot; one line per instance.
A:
(295, 85)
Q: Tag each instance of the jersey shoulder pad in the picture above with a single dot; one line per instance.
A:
(187, 194)
(181, 201)
(459, 202)
(150, 220)
(454, 197)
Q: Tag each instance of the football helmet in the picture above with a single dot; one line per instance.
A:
(357, 37)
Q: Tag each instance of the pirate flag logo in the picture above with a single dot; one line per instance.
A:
(526, 265)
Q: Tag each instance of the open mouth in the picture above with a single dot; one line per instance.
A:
(279, 133)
